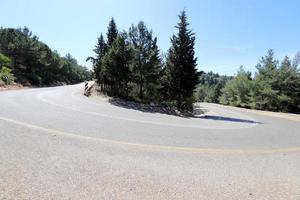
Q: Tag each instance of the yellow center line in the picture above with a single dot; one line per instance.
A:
(156, 147)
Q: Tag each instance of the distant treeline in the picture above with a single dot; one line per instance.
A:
(275, 86)
(129, 65)
(210, 87)
(26, 60)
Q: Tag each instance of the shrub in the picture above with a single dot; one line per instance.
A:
(6, 76)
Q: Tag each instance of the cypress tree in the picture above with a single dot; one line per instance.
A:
(181, 65)
(116, 67)
(100, 51)
(112, 32)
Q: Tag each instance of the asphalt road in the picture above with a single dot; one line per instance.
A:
(57, 144)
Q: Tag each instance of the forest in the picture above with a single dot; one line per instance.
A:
(26, 60)
(275, 86)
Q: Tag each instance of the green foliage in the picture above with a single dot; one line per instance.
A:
(33, 62)
(129, 65)
(237, 91)
(116, 67)
(71, 72)
(266, 83)
(181, 66)
(288, 79)
(100, 51)
(6, 76)
(4, 61)
(296, 61)
(275, 87)
(146, 64)
(5, 72)
(112, 32)
(210, 87)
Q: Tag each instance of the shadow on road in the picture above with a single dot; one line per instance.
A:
(143, 107)
(163, 110)
(229, 119)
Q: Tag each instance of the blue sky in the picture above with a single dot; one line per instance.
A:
(229, 33)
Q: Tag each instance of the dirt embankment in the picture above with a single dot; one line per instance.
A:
(25, 85)
(14, 86)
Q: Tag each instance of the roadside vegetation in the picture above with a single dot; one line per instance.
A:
(210, 87)
(6, 76)
(129, 65)
(26, 60)
(274, 87)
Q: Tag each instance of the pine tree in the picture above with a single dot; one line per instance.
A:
(296, 60)
(100, 50)
(181, 65)
(237, 91)
(34, 63)
(289, 86)
(116, 67)
(266, 89)
(112, 32)
(146, 64)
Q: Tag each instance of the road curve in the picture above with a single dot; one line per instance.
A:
(58, 144)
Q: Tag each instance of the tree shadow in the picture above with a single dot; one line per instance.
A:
(148, 108)
(229, 119)
(143, 107)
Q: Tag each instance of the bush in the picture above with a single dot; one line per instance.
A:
(6, 76)
(237, 91)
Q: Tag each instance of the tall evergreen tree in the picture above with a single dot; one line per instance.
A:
(116, 67)
(112, 32)
(181, 65)
(237, 91)
(296, 60)
(146, 64)
(288, 79)
(100, 50)
(265, 93)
